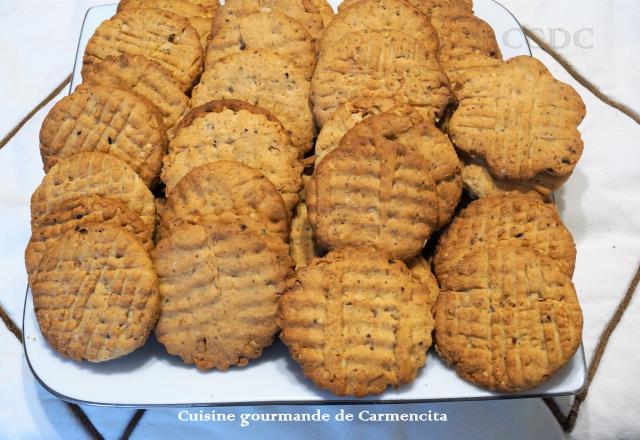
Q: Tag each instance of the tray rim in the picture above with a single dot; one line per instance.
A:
(502, 396)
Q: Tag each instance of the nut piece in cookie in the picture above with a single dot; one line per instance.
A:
(507, 318)
(95, 294)
(357, 322)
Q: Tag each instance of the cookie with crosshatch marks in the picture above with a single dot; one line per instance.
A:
(92, 173)
(507, 318)
(357, 322)
(220, 288)
(159, 35)
(76, 213)
(235, 130)
(519, 120)
(95, 294)
(392, 182)
(266, 80)
(379, 65)
(107, 120)
(145, 78)
(226, 192)
(516, 219)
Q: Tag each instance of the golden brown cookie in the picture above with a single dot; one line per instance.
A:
(378, 65)
(357, 322)
(235, 130)
(368, 16)
(519, 120)
(76, 213)
(303, 247)
(508, 318)
(266, 30)
(266, 80)
(391, 183)
(107, 120)
(145, 78)
(195, 14)
(86, 174)
(220, 288)
(466, 43)
(96, 294)
(515, 219)
(312, 14)
(428, 7)
(226, 192)
(156, 34)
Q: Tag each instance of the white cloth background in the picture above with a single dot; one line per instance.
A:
(600, 205)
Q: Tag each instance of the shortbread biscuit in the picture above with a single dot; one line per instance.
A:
(235, 130)
(107, 120)
(266, 80)
(514, 219)
(519, 119)
(266, 30)
(96, 294)
(312, 14)
(159, 35)
(357, 322)
(226, 192)
(428, 7)
(76, 213)
(304, 247)
(508, 318)
(220, 290)
(368, 16)
(87, 174)
(466, 43)
(145, 78)
(195, 14)
(391, 183)
(378, 65)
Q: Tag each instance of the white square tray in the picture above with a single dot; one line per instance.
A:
(151, 377)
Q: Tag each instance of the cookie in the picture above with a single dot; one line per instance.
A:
(195, 14)
(96, 294)
(392, 182)
(514, 219)
(312, 14)
(92, 174)
(429, 7)
(508, 318)
(519, 119)
(357, 322)
(235, 130)
(266, 80)
(220, 290)
(303, 246)
(156, 34)
(345, 118)
(266, 30)
(378, 65)
(107, 120)
(466, 43)
(226, 192)
(76, 213)
(210, 6)
(145, 78)
(367, 16)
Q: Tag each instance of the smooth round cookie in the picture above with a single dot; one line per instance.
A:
(507, 318)
(266, 80)
(95, 294)
(516, 219)
(106, 120)
(379, 65)
(86, 174)
(357, 322)
(226, 192)
(145, 78)
(266, 30)
(220, 288)
(235, 130)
